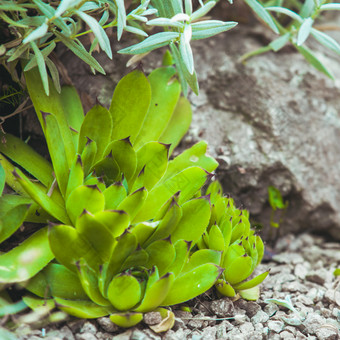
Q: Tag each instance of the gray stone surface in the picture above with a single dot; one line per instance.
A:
(273, 120)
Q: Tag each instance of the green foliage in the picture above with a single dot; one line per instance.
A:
(277, 204)
(302, 17)
(126, 218)
(36, 27)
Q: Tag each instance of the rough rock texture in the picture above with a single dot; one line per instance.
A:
(272, 121)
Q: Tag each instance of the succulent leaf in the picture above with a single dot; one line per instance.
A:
(192, 283)
(126, 320)
(100, 133)
(82, 309)
(114, 195)
(165, 94)
(129, 105)
(124, 292)
(84, 197)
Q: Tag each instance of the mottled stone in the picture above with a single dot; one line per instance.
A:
(86, 336)
(152, 318)
(324, 333)
(286, 335)
(223, 307)
(260, 316)
(275, 326)
(107, 325)
(88, 327)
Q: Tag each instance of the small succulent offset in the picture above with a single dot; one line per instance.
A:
(124, 220)
(229, 232)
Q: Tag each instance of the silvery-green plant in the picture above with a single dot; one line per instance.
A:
(299, 28)
(37, 27)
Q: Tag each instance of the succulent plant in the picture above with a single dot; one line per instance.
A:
(229, 232)
(128, 228)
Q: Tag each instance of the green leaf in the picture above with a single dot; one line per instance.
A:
(126, 320)
(96, 234)
(167, 224)
(73, 109)
(203, 10)
(194, 221)
(185, 49)
(38, 33)
(165, 94)
(114, 220)
(56, 150)
(216, 238)
(129, 105)
(184, 75)
(79, 50)
(155, 293)
(287, 12)
(201, 257)
(52, 205)
(121, 17)
(82, 309)
(194, 156)
(41, 66)
(124, 292)
(88, 155)
(280, 42)
(251, 294)
(161, 254)
(178, 124)
(76, 176)
(125, 156)
(69, 247)
(262, 13)
(188, 182)
(192, 284)
(11, 215)
(54, 74)
(209, 28)
(152, 160)
(89, 281)
(304, 31)
(313, 60)
(182, 249)
(238, 270)
(108, 170)
(225, 288)
(275, 198)
(133, 203)
(151, 43)
(126, 244)
(114, 195)
(138, 258)
(326, 40)
(97, 126)
(25, 156)
(336, 272)
(27, 259)
(253, 282)
(98, 31)
(51, 104)
(57, 281)
(82, 198)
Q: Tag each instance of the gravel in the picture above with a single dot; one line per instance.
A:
(308, 280)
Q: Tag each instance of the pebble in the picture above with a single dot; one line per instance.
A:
(107, 325)
(86, 336)
(223, 307)
(260, 316)
(88, 327)
(286, 335)
(324, 333)
(316, 277)
(276, 326)
(152, 318)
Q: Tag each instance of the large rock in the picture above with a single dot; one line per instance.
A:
(271, 121)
